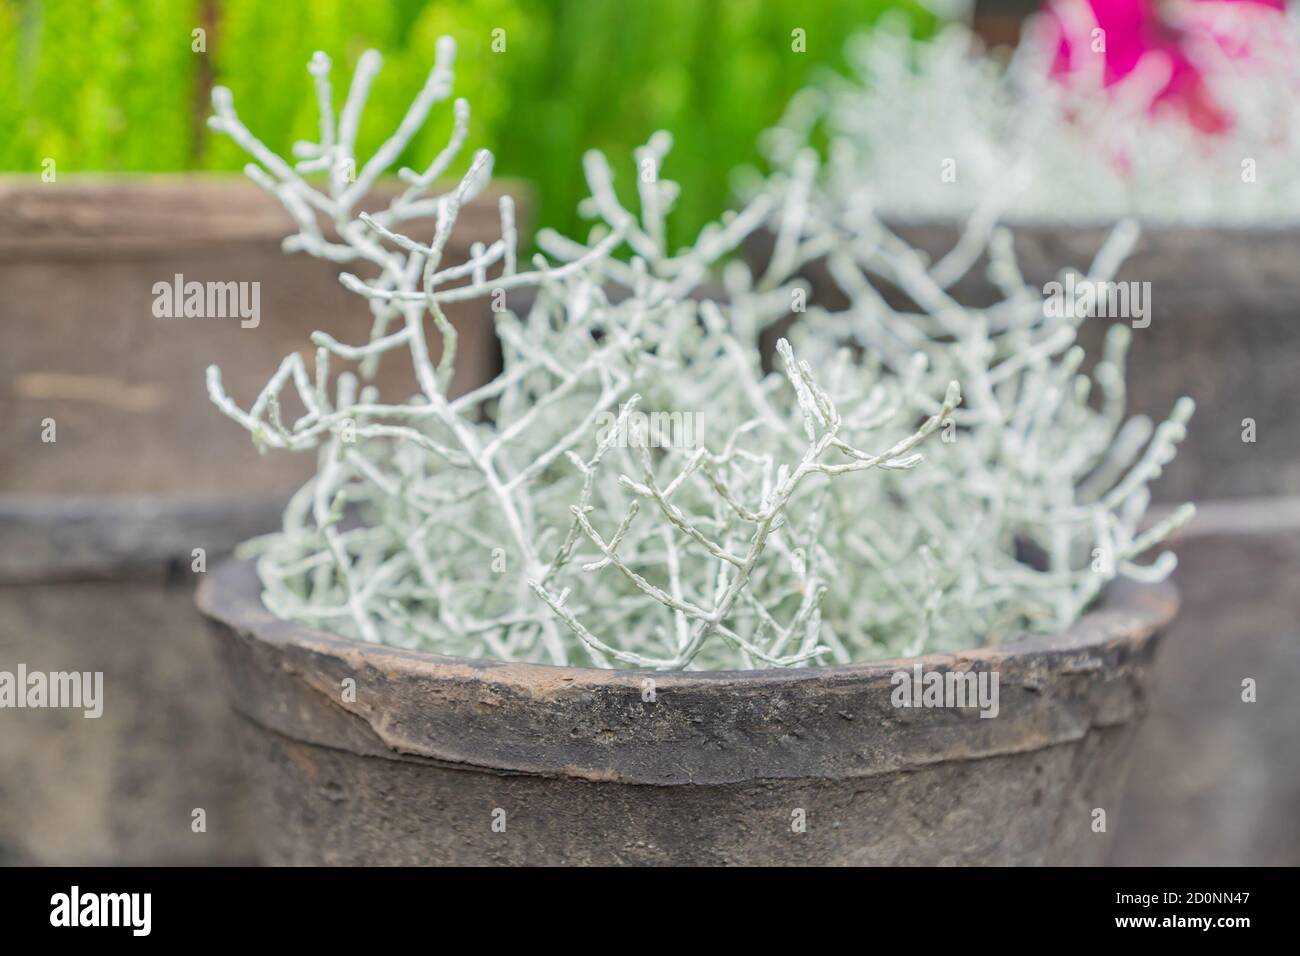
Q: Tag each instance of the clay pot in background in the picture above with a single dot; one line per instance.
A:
(999, 22)
(1215, 779)
(98, 528)
(104, 584)
(430, 752)
(1224, 329)
(79, 261)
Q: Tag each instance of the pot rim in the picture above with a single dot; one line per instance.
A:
(697, 728)
(112, 216)
(231, 595)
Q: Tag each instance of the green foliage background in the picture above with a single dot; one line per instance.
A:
(113, 85)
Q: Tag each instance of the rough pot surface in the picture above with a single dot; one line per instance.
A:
(435, 760)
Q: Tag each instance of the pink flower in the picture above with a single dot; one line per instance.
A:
(1133, 30)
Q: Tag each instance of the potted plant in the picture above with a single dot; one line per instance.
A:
(640, 600)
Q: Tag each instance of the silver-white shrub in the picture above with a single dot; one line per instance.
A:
(544, 516)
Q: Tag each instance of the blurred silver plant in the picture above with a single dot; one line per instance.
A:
(942, 129)
(537, 518)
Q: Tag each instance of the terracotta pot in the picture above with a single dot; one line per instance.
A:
(1224, 329)
(365, 754)
(1216, 778)
(99, 526)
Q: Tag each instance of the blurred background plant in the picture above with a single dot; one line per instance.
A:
(117, 86)
(1176, 112)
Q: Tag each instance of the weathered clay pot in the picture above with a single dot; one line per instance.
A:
(1224, 329)
(98, 528)
(98, 584)
(79, 342)
(1216, 779)
(418, 761)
